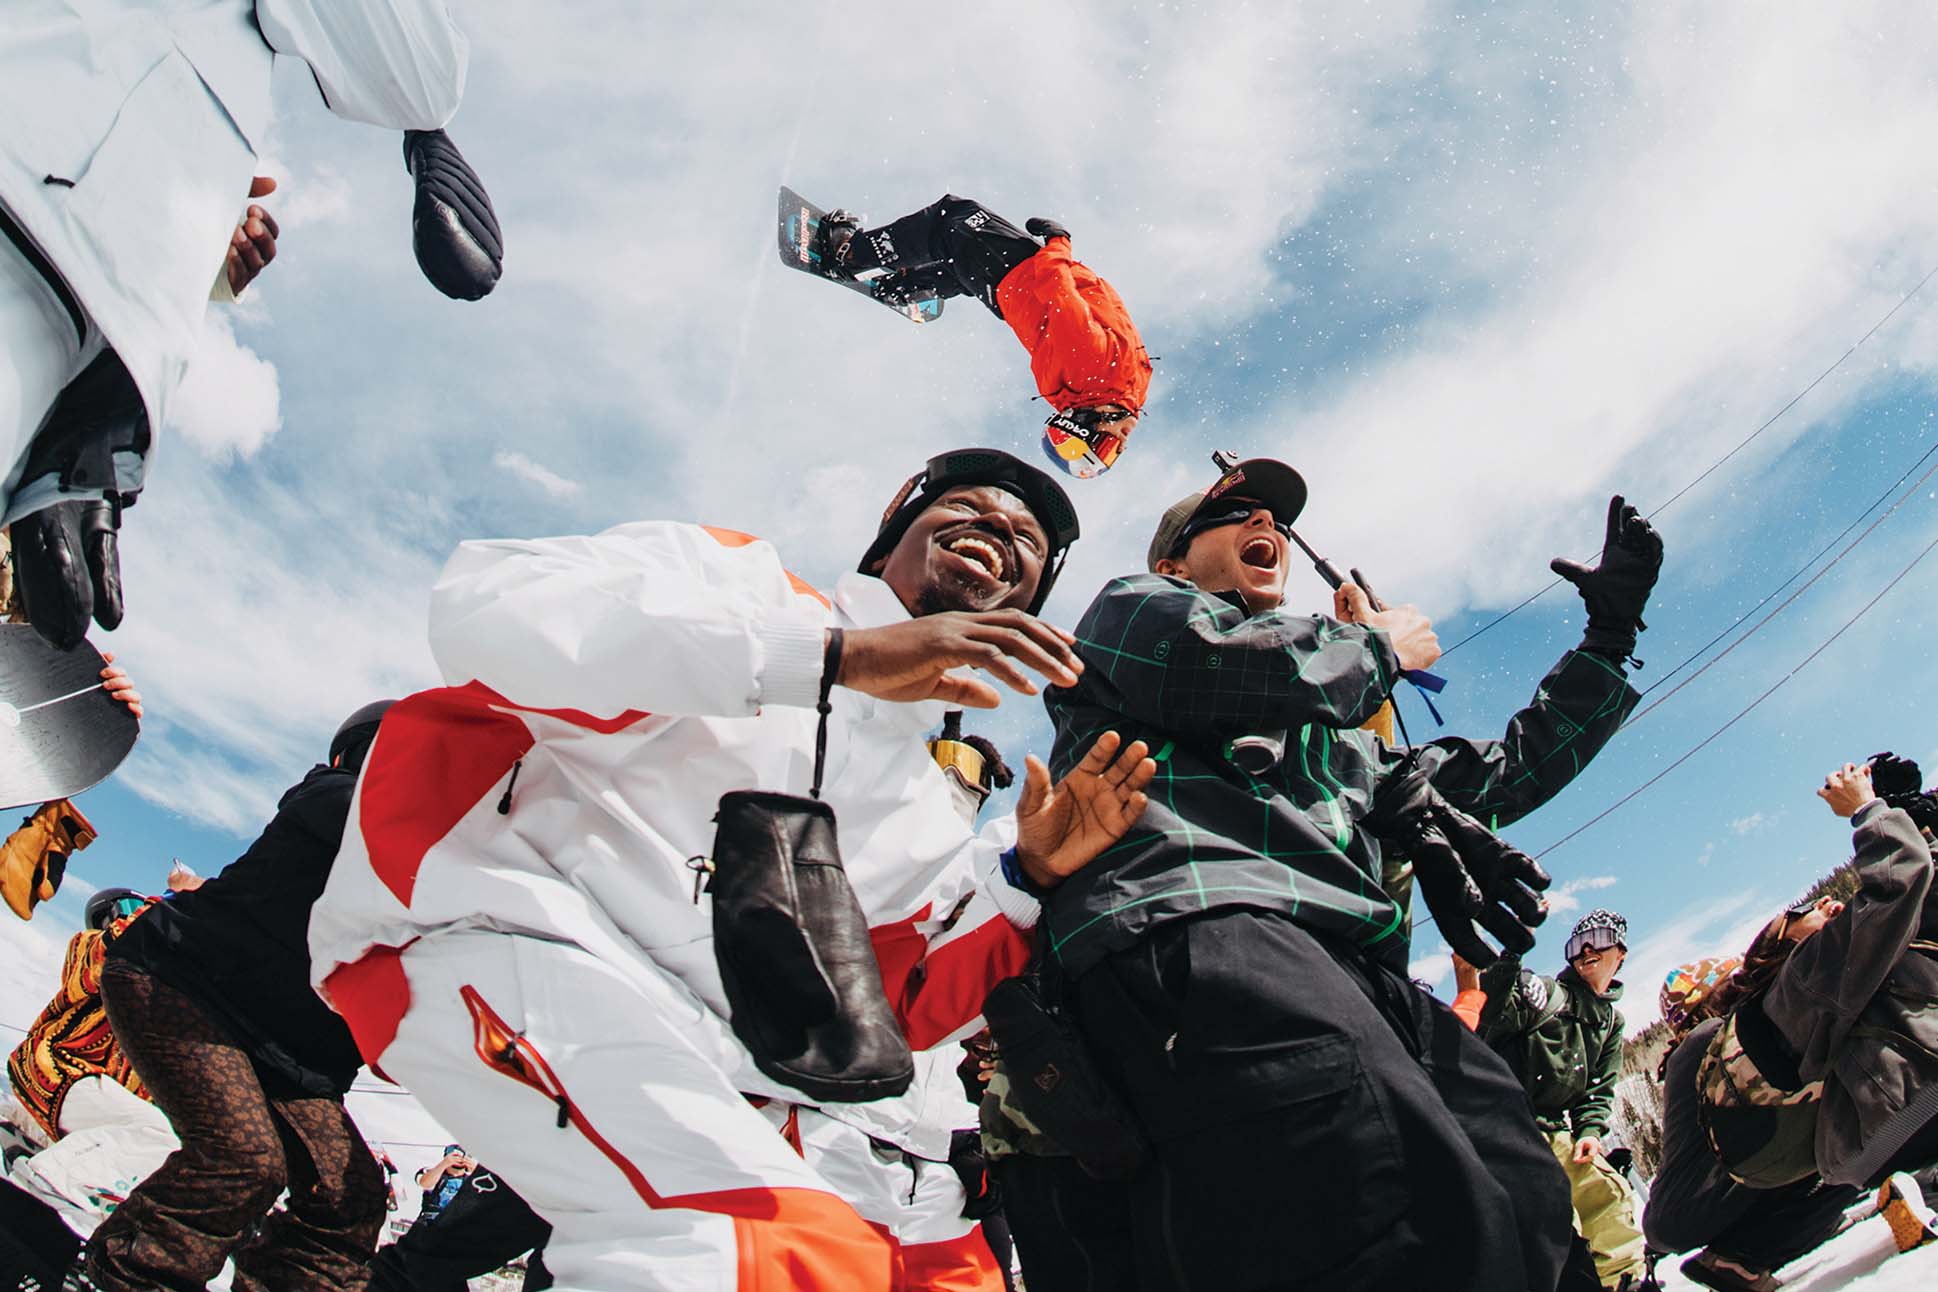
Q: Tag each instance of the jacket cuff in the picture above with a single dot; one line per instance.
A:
(791, 651)
(1869, 813)
(1018, 906)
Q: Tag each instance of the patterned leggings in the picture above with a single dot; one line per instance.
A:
(241, 1148)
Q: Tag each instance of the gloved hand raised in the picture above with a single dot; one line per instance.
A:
(1618, 586)
(1468, 874)
(67, 561)
(454, 231)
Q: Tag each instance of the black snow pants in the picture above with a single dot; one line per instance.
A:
(1072, 1232)
(1694, 1203)
(954, 247)
(1317, 1122)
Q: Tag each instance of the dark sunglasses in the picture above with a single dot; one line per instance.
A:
(1237, 513)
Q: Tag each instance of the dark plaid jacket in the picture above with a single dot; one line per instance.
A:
(1187, 671)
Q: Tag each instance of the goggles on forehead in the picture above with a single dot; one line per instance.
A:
(128, 906)
(1599, 939)
(1076, 442)
(963, 761)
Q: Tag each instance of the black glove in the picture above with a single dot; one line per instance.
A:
(1468, 874)
(1617, 588)
(1893, 777)
(967, 1160)
(453, 228)
(1045, 229)
(67, 566)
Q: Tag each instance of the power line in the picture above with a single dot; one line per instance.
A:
(1710, 470)
(1745, 710)
(1791, 599)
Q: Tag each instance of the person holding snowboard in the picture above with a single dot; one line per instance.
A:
(521, 928)
(1562, 1036)
(1085, 353)
(1314, 1118)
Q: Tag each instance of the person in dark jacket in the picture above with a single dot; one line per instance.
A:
(209, 996)
(469, 1224)
(1088, 360)
(1315, 1119)
(1563, 1038)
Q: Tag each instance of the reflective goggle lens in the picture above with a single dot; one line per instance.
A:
(1599, 939)
(965, 760)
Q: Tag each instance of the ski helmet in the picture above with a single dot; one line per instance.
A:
(1601, 929)
(356, 733)
(110, 904)
(945, 471)
(1688, 988)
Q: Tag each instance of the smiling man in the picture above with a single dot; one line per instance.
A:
(516, 931)
(1563, 1038)
(1315, 1120)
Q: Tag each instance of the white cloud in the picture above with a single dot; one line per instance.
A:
(1749, 824)
(229, 401)
(1432, 969)
(1565, 898)
(1720, 927)
(552, 483)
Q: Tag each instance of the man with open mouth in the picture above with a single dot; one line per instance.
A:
(1315, 1120)
(515, 928)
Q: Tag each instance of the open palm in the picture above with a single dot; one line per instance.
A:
(1060, 828)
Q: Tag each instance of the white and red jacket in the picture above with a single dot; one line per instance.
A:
(605, 692)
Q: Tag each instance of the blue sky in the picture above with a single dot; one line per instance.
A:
(1469, 267)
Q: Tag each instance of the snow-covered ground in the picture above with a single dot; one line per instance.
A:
(1862, 1259)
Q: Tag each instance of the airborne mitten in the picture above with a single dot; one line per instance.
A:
(800, 973)
(454, 231)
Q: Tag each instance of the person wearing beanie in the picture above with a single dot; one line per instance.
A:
(1563, 1038)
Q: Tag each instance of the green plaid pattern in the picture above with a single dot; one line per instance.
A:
(1188, 671)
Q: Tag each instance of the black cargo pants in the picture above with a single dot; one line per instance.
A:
(1317, 1121)
(954, 247)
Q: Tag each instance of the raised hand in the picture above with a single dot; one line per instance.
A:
(911, 661)
(1618, 586)
(253, 245)
(1061, 828)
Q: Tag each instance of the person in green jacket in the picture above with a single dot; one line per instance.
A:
(1563, 1038)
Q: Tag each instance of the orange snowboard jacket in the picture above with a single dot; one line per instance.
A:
(1084, 349)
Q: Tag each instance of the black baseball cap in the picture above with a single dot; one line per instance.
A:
(1263, 480)
(945, 471)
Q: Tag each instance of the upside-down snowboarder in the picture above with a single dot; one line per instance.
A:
(1085, 353)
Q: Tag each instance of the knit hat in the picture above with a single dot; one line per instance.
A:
(1689, 986)
(1599, 928)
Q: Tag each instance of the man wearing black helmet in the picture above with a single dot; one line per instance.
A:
(520, 928)
(209, 995)
(1235, 963)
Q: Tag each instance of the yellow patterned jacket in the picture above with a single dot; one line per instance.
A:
(71, 1039)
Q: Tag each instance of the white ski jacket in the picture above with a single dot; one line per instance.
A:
(627, 681)
(129, 131)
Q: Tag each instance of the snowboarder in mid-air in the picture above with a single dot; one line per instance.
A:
(1085, 353)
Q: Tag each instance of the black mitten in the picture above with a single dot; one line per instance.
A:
(1617, 588)
(799, 970)
(1466, 873)
(1045, 229)
(454, 231)
(67, 564)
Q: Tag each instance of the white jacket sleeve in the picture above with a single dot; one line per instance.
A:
(656, 617)
(395, 63)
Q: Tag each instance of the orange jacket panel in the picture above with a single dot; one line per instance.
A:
(1084, 349)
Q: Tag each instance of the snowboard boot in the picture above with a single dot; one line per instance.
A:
(1713, 1271)
(1045, 229)
(1902, 1204)
(34, 857)
(831, 243)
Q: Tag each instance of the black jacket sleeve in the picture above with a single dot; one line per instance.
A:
(1193, 663)
(1579, 706)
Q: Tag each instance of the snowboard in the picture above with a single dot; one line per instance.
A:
(59, 731)
(800, 219)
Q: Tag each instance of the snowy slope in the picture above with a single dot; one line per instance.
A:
(1861, 1259)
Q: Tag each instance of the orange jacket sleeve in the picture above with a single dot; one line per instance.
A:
(1468, 1004)
(1084, 349)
